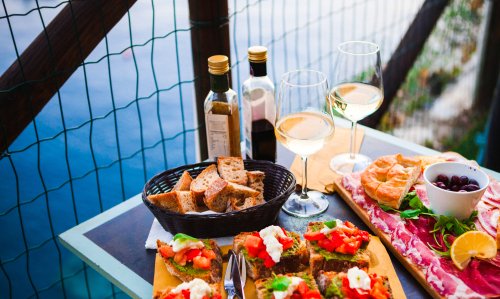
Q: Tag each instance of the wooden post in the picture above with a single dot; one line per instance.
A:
(31, 81)
(209, 36)
(406, 54)
(490, 59)
(492, 158)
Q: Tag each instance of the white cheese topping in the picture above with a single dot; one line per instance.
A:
(291, 288)
(197, 288)
(270, 237)
(326, 230)
(180, 244)
(358, 279)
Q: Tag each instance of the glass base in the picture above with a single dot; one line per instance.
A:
(343, 164)
(316, 204)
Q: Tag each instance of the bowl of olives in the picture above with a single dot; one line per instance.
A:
(454, 188)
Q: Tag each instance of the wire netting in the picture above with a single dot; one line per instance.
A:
(128, 112)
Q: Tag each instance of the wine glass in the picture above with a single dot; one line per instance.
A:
(303, 126)
(358, 93)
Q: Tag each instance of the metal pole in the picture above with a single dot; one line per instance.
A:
(209, 36)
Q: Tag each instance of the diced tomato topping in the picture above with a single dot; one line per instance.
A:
(314, 236)
(180, 257)
(173, 296)
(268, 261)
(186, 293)
(312, 295)
(201, 262)
(327, 244)
(166, 251)
(284, 231)
(295, 296)
(216, 296)
(208, 253)
(254, 245)
(192, 253)
(302, 288)
(286, 242)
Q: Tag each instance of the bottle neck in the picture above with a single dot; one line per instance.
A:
(219, 83)
(258, 69)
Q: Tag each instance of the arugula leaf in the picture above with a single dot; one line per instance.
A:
(411, 214)
(281, 283)
(183, 237)
(331, 223)
(387, 208)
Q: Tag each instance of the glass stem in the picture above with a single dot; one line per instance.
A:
(303, 194)
(353, 139)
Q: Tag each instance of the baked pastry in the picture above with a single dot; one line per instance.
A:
(291, 285)
(388, 179)
(354, 283)
(271, 250)
(336, 246)
(184, 290)
(188, 258)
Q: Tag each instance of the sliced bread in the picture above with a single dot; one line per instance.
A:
(184, 182)
(293, 259)
(200, 184)
(175, 201)
(232, 169)
(220, 191)
(188, 273)
(330, 285)
(256, 182)
(236, 204)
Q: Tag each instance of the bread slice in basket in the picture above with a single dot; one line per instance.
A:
(256, 181)
(221, 191)
(201, 183)
(184, 183)
(175, 201)
(232, 170)
(187, 265)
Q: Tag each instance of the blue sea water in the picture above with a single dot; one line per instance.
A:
(99, 139)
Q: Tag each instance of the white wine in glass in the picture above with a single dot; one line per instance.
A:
(358, 93)
(303, 127)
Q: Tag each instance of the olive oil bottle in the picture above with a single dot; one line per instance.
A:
(222, 119)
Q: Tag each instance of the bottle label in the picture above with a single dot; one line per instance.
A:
(217, 135)
(247, 118)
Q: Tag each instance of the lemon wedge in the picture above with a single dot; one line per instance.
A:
(472, 244)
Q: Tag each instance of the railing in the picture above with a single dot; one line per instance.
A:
(96, 123)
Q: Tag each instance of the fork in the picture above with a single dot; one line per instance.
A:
(243, 269)
(228, 280)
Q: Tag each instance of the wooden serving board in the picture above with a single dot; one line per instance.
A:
(380, 263)
(386, 239)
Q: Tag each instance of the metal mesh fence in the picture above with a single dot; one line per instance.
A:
(128, 112)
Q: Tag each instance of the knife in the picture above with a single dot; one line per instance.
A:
(236, 276)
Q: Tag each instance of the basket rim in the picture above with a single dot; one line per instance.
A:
(227, 215)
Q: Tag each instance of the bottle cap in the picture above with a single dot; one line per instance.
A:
(218, 64)
(257, 54)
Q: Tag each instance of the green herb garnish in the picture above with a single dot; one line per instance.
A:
(331, 224)
(183, 237)
(281, 283)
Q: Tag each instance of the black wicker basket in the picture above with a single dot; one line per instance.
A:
(279, 183)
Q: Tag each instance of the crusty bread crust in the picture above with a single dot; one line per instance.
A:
(184, 182)
(317, 262)
(257, 270)
(175, 201)
(388, 179)
(214, 275)
(220, 192)
(256, 182)
(232, 169)
(200, 184)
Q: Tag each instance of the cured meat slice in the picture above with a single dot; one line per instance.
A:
(488, 218)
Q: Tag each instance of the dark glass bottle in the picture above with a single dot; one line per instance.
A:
(259, 108)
